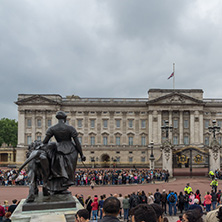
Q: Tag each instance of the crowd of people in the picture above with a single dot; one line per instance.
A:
(84, 177)
(6, 210)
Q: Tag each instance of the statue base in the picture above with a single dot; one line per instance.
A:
(57, 201)
(57, 213)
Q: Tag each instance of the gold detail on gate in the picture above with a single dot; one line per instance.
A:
(198, 158)
(182, 159)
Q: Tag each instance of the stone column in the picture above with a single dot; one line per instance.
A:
(191, 127)
(167, 157)
(150, 126)
(170, 124)
(201, 127)
(214, 153)
(33, 125)
(181, 128)
(159, 130)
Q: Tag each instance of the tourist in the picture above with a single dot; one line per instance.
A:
(186, 201)
(180, 219)
(7, 217)
(134, 200)
(120, 198)
(191, 198)
(213, 199)
(207, 199)
(2, 213)
(164, 200)
(5, 205)
(111, 207)
(181, 201)
(172, 200)
(198, 196)
(150, 198)
(192, 216)
(101, 206)
(143, 213)
(143, 197)
(92, 184)
(219, 194)
(12, 207)
(88, 203)
(126, 207)
(82, 215)
(158, 210)
(157, 197)
(95, 206)
(196, 206)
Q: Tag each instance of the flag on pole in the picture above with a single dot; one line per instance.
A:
(171, 75)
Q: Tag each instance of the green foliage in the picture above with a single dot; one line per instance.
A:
(8, 131)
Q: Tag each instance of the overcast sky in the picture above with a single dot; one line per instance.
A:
(108, 48)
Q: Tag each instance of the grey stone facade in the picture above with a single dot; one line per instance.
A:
(118, 130)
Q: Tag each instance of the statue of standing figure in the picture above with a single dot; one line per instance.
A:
(56, 162)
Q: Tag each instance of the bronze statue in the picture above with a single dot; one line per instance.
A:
(54, 163)
(64, 157)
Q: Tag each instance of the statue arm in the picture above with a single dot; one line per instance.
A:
(48, 136)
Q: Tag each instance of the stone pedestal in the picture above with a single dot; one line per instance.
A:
(214, 152)
(152, 162)
(167, 157)
(44, 215)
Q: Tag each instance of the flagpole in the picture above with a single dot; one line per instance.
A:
(173, 75)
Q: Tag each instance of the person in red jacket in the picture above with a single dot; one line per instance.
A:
(2, 213)
(95, 206)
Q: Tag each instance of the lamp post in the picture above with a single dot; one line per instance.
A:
(152, 158)
(166, 128)
(214, 129)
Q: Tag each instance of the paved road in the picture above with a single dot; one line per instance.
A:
(20, 192)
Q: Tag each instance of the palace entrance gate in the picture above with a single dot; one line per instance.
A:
(191, 161)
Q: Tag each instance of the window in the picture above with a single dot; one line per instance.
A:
(105, 123)
(29, 122)
(130, 123)
(80, 139)
(206, 141)
(39, 138)
(207, 123)
(175, 123)
(219, 123)
(118, 152)
(186, 140)
(117, 159)
(39, 123)
(130, 140)
(130, 159)
(79, 123)
(130, 152)
(67, 121)
(29, 140)
(143, 141)
(143, 152)
(92, 140)
(92, 123)
(143, 159)
(186, 123)
(117, 123)
(143, 124)
(49, 122)
(105, 140)
(118, 140)
(175, 140)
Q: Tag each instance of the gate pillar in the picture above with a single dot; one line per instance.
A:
(167, 156)
(214, 152)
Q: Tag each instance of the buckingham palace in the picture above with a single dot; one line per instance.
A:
(125, 131)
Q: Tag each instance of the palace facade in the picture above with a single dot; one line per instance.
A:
(118, 131)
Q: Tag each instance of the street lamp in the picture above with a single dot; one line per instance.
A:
(166, 128)
(214, 129)
(152, 158)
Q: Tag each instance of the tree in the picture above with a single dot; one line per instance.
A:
(8, 131)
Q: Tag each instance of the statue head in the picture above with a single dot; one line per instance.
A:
(61, 115)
